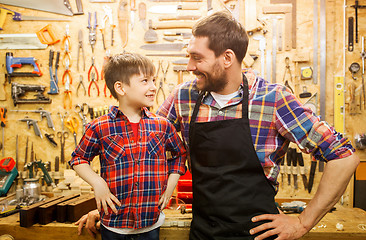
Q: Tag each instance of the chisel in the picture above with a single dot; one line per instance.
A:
(289, 168)
(302, 169)
(294, 166)
(312, 174)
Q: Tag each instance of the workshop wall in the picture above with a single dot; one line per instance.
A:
(300, 56)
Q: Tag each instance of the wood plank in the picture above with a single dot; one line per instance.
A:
(77, 209)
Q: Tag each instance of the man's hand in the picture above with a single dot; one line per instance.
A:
(286, 227)
(90, 220)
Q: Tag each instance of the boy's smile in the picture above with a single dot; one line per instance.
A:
(140, 92)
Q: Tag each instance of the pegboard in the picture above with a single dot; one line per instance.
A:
(299, 57)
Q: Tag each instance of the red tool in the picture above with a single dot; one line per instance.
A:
(93, 80)
(95, 69)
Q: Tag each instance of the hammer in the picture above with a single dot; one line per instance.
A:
(180, 70)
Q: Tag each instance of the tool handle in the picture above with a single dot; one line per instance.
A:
(173, 25)
(300, 159)
(50, 58)
(37, 131)
(3, 13)
(182, 17)
(3, 116)
(294, 157)
(188, 6)
(133, 5)
(142, 11)
(289, 157)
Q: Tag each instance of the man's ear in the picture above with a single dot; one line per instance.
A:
(118, 87)
(229, 58)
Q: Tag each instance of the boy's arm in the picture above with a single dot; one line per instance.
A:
(103, 196)
(165, 197)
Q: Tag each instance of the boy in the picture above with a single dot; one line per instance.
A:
(134, 185)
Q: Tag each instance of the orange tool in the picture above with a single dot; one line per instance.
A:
(47, 36)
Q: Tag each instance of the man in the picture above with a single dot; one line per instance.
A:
(237, 127)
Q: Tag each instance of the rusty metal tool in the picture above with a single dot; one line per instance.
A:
(123, 22)
(80, 48)
(92, 30)
(356, 7)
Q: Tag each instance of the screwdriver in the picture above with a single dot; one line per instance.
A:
(3, 118)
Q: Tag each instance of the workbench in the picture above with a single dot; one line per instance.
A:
(176, 227)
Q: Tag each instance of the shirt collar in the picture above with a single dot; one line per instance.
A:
(115, 112)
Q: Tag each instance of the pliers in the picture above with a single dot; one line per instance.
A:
(164, 70)
(67, 73)
(92, 80)
(80, 47)
(160, 89)
(287, 62)
(91, 68)
(81, 84)
(92, 31)
(67, 96)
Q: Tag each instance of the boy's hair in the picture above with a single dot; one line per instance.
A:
(121, 67)
(223, 33)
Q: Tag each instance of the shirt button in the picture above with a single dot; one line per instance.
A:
(136, 205)
(132, 141)
(136, 184)
(221, 113)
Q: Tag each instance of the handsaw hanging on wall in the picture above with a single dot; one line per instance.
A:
(54, 6)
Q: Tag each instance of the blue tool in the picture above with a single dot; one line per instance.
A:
(54, 78)
(18, 62)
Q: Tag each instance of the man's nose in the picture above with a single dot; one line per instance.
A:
(191, 66)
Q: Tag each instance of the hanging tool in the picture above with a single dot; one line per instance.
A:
(350, 34)
(173, 25)
(294, 166)
(123, 22)
(19, 17)
(315, 41)
(180, 70)
(80, 84)
(26, 151)
(363, 56)
(3, 124)
(21, 41)
(34, 123)
(160, 89)
(43, 113)
(51, 139)
(72, 123)
(283, 170)
(312, 174)
(107, 16)
(302, 169)
(354, 68)
(150, 35)
(172, 9)
(66, 43)
(132, 13)
(66, 77)
(79, 7)
(289, 165)
(262, 49)
(92, 30)
(93, 69)
(62, 135)
(53, 6)
(339, 106)
(82, 110)
(12, 63)
(93, 80)
(164, 46)
(67, 95)
(80, 48)
(19, 90)
(356, 7)
(47, 35)
(53, 76)
(8, 173)
(179, 17)
(164, 69)
(287, 69)
(306, 73)
(323, 64)
(305, 93)
(142, 14)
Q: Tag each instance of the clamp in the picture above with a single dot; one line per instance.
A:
(92, 31)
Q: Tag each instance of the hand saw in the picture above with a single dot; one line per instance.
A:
(54, 6)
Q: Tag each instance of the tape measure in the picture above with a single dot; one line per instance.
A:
(306, 73)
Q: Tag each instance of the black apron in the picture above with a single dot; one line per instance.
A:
(229, 184)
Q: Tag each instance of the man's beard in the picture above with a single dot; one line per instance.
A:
(214, 82)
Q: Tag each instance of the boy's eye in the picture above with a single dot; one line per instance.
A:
(144, 80)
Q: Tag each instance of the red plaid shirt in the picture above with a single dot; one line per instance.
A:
(136, 172)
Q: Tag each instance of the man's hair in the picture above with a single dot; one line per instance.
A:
(223, 33)
(121, 67)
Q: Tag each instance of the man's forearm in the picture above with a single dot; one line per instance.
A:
(336, 176)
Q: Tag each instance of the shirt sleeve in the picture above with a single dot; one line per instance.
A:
(88, 147)
(299, 125)
(174, 144)
(168, 110)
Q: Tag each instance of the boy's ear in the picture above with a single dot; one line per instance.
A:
(118, 87)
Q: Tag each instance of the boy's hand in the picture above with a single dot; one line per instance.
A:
(163, 201)
(105, 198)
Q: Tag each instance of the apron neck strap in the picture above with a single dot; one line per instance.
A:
(244, 101)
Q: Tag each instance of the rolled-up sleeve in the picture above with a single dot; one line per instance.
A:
(88, 147)
(300, 125)
(174, 144)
